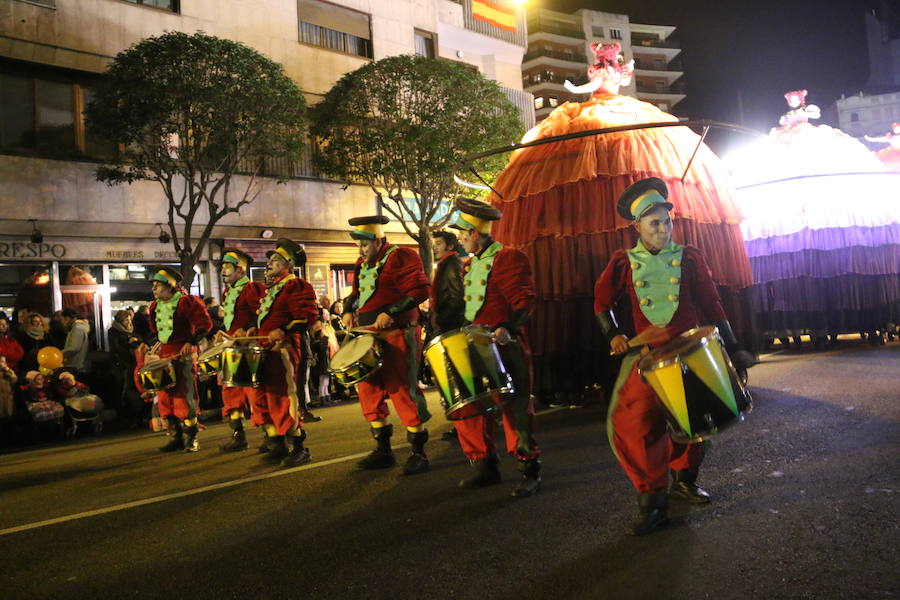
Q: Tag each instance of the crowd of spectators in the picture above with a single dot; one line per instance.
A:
(36, 401)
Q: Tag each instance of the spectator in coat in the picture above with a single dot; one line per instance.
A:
(75, 351)
(32, 336)
(9, 347)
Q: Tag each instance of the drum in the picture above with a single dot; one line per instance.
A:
(696, 384)
(242, 366)
(158, 375)
(469, 371)
(85, 403)
(210, 361)
(358, 359)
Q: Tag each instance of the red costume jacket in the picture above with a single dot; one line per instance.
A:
(189, 324)
(510, 288)
(246, 305)
(293, 309)
(698, 300)
(402, 275)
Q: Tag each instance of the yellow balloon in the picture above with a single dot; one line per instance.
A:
(50, 357)
(45, 371)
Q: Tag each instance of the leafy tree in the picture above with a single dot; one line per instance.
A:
(401, 125)
(190, 112)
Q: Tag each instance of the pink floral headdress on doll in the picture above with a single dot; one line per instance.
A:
(798, 95)
(606, 56)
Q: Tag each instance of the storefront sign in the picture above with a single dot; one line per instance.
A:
(317, 275)
(28, 250)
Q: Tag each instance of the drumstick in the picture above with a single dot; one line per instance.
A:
(651, 335)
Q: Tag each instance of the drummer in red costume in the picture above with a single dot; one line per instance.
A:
(390, 283)
(179, 322)
(240, 303)
(287, 309)
(499, 294)
(670, 290)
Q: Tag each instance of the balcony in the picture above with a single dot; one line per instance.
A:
(653, 42)
(569, 32)
(573, 57)
(648, 65)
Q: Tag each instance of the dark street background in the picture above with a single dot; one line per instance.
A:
(805, 504)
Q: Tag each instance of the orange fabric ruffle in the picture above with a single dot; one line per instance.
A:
(661, 152)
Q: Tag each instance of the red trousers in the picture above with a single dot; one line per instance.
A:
(640, 437)
(476, 435)
(276, 402)
(238, 399)
(398, 379)
(180, 400)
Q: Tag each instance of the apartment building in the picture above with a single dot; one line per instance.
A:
(559, 49)
(51, 52)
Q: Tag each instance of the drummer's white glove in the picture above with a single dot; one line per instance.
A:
(383, 321)
(501, 336)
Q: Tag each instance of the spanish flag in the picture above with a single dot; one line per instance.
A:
(498, 16)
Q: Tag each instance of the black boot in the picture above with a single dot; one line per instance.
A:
(531, 478)
(653, 513)
(417, 461)
(175, 432)
(487, 472)
(191, 444)
(238, 437)
(278, 450)
(264, 446)
(298, 454)
(382, 456)
(685, 488)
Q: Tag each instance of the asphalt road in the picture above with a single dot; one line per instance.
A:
(806, 495)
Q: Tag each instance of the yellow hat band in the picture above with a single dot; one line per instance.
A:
(374, 229)
(645, 201)
(284, 254)
(234, 259)
(480, 225)
(164, 277)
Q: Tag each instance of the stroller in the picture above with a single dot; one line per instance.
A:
(82, 407)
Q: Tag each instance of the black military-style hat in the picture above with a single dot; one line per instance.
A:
(290, 251)
(168, 275)
(641, 196)
(368, 228)
(237, 257)
(475, 214)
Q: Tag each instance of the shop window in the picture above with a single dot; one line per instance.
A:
(335, 28)
(424, 44)
(615, 34)
(170, 5)
(25, 287)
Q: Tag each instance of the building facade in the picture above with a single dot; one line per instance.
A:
(67, 238)
(559, 49)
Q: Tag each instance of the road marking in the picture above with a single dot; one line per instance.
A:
(202, 490)
(176, 495)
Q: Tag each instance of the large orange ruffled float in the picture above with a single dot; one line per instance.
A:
(558, 202)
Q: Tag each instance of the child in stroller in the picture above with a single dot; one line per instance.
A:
(81, 405)
(43, 410)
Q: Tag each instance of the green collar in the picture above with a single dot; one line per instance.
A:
(476, 279)
(368, 277)
(657, 281)
(271, 294)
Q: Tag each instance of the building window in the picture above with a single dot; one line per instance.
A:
(43, 114)
(425, 44)
(615, 34)
(538, 102)
(854, 117)
(597, 31)
(171, 5)
(553, 101)
(335, 28)
(663, 106)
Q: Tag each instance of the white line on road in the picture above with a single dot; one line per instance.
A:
(193, 492)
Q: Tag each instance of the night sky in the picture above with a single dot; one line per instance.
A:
(756, 49)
